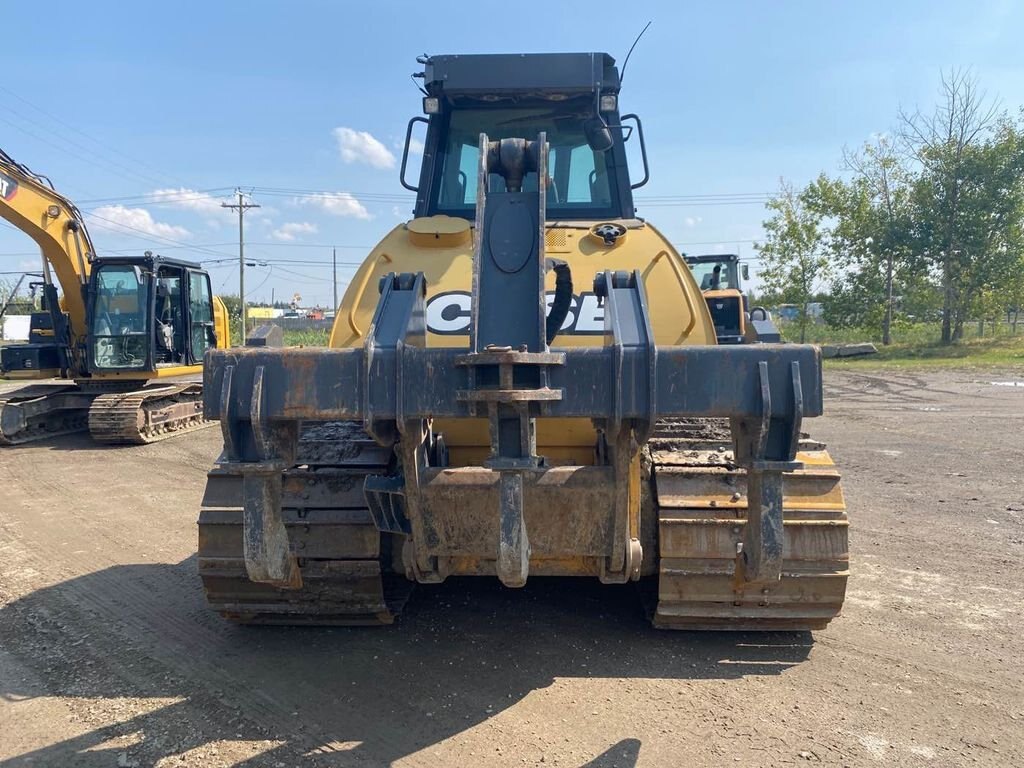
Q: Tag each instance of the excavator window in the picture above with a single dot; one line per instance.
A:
(170, 317)
(579, 183)
(120, 333)
(200, 307)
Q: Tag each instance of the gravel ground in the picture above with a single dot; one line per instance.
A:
(108, 656)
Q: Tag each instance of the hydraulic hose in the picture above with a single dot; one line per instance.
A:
(563, 298)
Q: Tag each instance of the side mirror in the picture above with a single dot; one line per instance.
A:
(746, 272)
(599, 137)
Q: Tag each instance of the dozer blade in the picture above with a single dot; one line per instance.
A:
(701, 501)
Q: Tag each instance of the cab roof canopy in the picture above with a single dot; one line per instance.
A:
(480, 75)
(709, 257)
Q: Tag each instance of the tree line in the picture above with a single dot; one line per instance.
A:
(925, 222)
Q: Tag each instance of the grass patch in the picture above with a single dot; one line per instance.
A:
(1000, 351)
(313, 337)
(919, 344)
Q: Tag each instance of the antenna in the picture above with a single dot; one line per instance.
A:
(622, 75)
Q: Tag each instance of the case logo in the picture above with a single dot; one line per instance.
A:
(448, 314)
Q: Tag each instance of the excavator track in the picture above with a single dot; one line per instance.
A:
(29, 413)
(701, 509)
(344, 560)
(147, 415)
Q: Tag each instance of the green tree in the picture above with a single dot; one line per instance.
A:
(874, 233)
(794, 261)
(967, 196)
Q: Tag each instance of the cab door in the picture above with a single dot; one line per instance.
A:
(202, 335)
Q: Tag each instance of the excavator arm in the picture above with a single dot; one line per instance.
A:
(29, 202)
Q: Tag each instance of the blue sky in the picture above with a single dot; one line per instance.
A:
(125, 106)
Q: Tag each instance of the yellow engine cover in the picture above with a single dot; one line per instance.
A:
(441, 247)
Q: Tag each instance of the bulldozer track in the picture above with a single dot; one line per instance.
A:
(147, 415)
(701, 508)
(42, 424)
(697, 500)
(343, 558)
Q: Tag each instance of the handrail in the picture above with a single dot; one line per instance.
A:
(686, 292)
(359, 294)
(643, 149)
(405, 152)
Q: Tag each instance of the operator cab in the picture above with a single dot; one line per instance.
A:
(148, 313)
(718, 275)
(572, 97)
(717, 272)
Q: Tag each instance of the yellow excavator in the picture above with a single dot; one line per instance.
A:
(522, 381)
(122, 333)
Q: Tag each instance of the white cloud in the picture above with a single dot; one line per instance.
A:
(415, 146)
(206, 204)
(362, 147)
(190, 200)
(336, 204)
(117, 218)
(692, 221)
(293, 229)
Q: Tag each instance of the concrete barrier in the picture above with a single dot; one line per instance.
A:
(848, 350)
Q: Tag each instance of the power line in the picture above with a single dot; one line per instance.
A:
(366, 248)
(80, 132)
(724, 241)
(150, 198)
(149, 236)
(269, 273)
(76, 154)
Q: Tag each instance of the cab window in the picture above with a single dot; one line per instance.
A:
(200, 306)
(120, 333)
(580, 180)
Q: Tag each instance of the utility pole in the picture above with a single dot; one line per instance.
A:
(241, 206)
(334, 260)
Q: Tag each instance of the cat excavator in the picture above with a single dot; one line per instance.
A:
(122, 332)
(522, 381)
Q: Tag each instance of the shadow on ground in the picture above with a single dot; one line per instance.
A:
(463, 652)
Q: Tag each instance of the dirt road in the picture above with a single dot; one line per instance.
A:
(108, 656)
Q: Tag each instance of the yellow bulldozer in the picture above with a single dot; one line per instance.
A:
(522, 381)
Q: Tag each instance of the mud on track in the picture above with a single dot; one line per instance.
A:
(108, 656)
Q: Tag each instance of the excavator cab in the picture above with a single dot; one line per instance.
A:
(148, 314)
